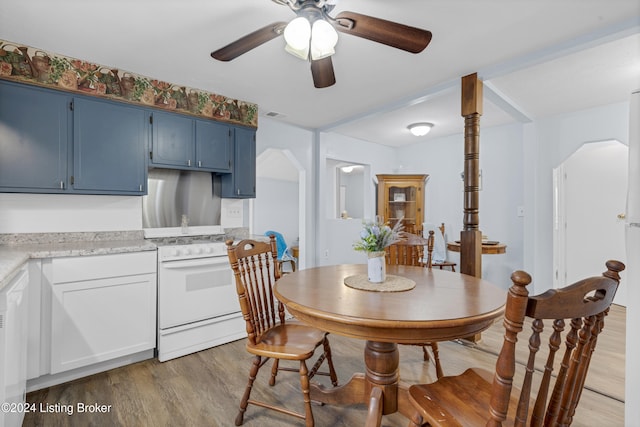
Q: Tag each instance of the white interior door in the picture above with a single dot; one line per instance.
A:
(592, 188)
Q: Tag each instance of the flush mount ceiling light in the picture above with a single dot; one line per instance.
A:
(420, 129)
(350, 168)
(347, 169)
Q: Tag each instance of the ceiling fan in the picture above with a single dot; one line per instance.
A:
(312, 36)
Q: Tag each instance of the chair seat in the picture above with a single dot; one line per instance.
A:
(290, 341)
(574, 316)
(442, 264)
(461, 400)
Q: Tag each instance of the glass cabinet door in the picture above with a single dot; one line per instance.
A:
(402, 206)
(400, 197)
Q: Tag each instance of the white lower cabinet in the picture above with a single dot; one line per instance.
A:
(13, 348)
(102, 307)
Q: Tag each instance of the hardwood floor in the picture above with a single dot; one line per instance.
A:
(204, 389)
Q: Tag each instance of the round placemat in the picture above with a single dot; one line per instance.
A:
(391, 284)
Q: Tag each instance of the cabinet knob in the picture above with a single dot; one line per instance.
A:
(199, 163)
(188, 162)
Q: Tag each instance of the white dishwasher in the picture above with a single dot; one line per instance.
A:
(13, 349)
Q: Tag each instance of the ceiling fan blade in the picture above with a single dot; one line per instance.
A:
(248, 42)
(322, 72)
(392, 34)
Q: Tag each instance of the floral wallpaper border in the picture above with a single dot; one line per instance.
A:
(33, 66)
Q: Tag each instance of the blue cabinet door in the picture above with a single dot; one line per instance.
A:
(173, 141)
(241, 183)
(109, 147)
(214, 145)
(34, 133)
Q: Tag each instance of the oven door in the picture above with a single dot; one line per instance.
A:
(195, 289)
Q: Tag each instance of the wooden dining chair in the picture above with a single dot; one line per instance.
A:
(284, 253)
(442, 264)
(255, 269)
(478, 397)
(410, 251)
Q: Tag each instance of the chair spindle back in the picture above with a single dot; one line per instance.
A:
(584, 305)
(404, 253)
(254, 268)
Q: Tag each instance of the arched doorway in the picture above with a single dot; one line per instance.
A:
(280, 203)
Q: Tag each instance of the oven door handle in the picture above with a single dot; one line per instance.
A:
(198, 262)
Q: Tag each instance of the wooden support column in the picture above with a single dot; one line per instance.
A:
(471, 236)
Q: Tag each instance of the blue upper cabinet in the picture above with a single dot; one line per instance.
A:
(34, 135)
(109, 147)
(214, 145)
(55, 142)
(182, 142)
(241, 183)
(173, 141)
(51, 142)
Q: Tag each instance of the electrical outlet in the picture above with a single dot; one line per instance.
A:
(233, 212)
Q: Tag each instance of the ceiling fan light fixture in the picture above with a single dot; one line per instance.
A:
(420, 129)
(297, 34)
(323, 39)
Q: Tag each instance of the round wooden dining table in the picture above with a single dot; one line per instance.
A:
(442, 306)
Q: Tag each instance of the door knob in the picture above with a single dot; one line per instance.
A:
(621, 216)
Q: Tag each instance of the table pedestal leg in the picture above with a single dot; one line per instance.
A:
(378, 387)
(382, 360)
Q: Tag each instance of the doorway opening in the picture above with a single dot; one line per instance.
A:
(590, 190)
(280, 203)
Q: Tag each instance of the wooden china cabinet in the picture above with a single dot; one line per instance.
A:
(402, 197)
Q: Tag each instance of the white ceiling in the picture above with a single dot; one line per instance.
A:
(536, 57)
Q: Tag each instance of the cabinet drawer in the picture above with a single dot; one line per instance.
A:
(74, 269)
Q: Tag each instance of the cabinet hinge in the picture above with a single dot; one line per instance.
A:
(229, 164)
(71, 105)
(72, 180)
(151, 155)
(150, 120)
(229, 133)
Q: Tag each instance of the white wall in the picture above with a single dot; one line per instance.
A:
(276, 208)
(273, 134)
(548, 143)
(501, 159)
(632, 386)
(51, 213)
(336, 236)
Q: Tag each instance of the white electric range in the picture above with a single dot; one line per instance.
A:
(198, 305)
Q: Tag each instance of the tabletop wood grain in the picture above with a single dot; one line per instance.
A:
(443, 305)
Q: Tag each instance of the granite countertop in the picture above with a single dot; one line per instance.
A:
(16, 249)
